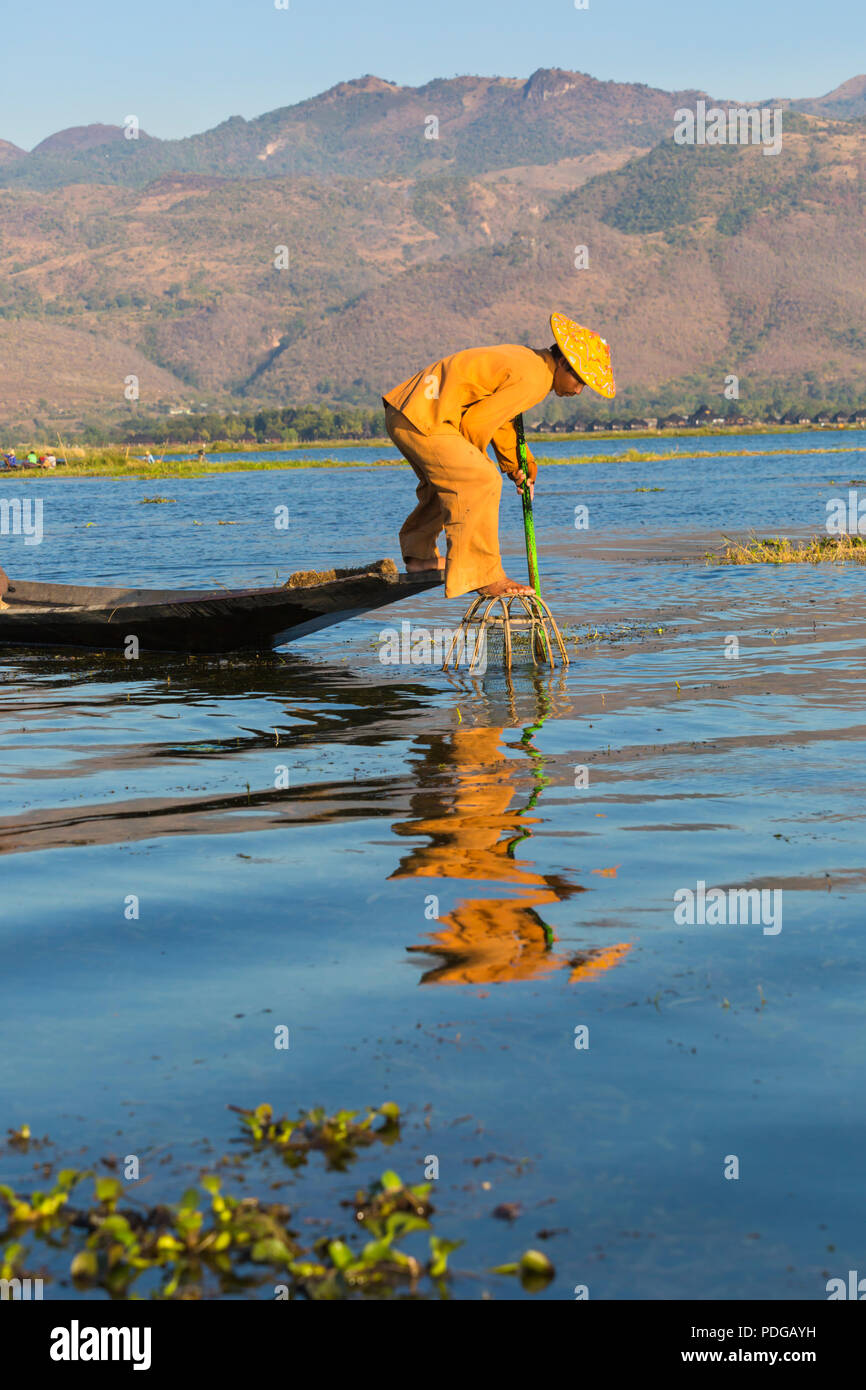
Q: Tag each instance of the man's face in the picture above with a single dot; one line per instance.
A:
(566, 382)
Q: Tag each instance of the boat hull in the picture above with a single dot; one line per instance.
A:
(194, 621)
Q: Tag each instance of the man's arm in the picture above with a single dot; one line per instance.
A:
(491, 421)
(504, 444)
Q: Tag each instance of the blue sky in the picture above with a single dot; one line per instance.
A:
(184, 65)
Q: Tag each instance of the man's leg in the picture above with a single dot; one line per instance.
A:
(422, 526)
(467, 486)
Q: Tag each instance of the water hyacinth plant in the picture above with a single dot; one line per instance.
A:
(212, 1243)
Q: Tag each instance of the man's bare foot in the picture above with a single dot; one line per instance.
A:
(424, 566)
(505, 587)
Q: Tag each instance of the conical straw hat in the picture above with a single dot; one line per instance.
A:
(586, 352)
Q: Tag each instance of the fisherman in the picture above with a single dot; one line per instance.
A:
(442, 421)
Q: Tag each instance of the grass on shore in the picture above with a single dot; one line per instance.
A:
(778, 550)
(84, 462)
(114, 463)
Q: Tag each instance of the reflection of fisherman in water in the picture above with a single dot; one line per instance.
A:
(473, 830)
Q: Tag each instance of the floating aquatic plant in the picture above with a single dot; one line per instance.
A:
(534, 1270)
(212, 1242)
(778, 550)
(338, 1136)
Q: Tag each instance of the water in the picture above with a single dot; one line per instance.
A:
(219, 528)
(433, 906)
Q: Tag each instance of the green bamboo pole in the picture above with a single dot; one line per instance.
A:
(529, 527)
(528, 521)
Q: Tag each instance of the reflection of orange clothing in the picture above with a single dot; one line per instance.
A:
(468, 829)
(478, 392)
(465, 827)
(492, 941)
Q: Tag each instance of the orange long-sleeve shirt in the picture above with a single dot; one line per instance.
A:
(479, 392)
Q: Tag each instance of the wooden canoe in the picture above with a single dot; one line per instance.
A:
(199, 620)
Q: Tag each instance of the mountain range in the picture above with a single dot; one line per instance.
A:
(329, 249)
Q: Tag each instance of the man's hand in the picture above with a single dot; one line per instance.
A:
(518, 483)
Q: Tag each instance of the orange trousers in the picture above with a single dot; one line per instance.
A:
(459, 489)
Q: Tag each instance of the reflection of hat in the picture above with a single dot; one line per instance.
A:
(586, 352)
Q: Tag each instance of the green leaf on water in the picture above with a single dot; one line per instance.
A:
(439, 1251)
(535, 1262)
(167, 1242)
(107, 1189)
(84, 1265)
(270, 1251)
(402, 1223)
(536, 1271)
(188, 1221)
(340, 1254)
(376, 1250)
(118, 1226)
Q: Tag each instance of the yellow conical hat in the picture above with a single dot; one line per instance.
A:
(586, 352)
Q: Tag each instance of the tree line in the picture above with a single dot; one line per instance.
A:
(290, 425)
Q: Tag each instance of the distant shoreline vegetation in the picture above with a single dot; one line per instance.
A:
(81, 461)
(324, 425)
(297, 427)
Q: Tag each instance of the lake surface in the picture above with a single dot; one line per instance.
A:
(461, 873)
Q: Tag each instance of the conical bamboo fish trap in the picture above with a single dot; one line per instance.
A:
(504, 630)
